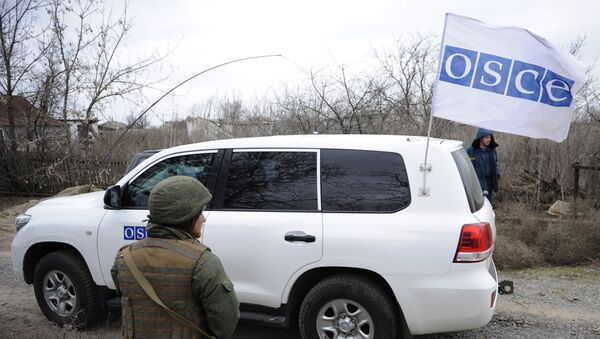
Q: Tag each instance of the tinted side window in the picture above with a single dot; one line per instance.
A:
(469, 180)
(364, 181)
(138, 159)
(195, 165)
(272, 181)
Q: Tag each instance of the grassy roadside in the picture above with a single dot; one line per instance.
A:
(528, 238)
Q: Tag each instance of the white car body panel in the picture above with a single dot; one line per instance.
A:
(111, 237)
(457, 300)
(254, 253)
(70, 220)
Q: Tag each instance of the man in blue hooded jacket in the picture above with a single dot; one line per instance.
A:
(485, 160)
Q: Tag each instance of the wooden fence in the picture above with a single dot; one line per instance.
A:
(44, 173)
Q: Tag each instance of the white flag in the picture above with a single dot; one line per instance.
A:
(505, 79)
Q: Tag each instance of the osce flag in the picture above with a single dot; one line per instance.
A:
(505, 79)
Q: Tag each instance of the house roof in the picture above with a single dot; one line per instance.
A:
(91, 120)
(112, 125)
(21, 110)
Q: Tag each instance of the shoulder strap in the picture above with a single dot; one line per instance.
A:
(147, 287)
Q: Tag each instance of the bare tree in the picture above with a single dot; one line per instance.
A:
(141, 123)
(71, 49)
(44, 89)
(93, 71)
(393, 98)
(110, 78)
(17, 37)
(295, 112)
(331, 101)
(407, 73)
(328, 104)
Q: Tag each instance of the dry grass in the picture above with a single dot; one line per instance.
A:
(514, 253)
(528, 238)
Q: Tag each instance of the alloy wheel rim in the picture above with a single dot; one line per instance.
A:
(344, 319)
(59, 293)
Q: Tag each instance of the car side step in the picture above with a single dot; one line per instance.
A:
(277, 321)
(260, 318)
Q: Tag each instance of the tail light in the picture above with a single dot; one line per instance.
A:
(475, 244)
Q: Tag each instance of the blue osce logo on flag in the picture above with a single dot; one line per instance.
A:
(134, 232)
(505, 76)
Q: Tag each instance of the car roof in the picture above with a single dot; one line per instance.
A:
(342, 141)
(390, 143)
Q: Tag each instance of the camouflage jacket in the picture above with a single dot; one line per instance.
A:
(211, 286)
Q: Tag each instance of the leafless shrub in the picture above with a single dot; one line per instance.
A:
(527, 237)
(514, 253)
(571, 242)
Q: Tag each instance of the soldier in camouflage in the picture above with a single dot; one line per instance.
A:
(187, 277)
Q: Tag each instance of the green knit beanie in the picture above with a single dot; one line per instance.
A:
(177, 200)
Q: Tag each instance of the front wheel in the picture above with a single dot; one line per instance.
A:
(348, 307)
(65, 290)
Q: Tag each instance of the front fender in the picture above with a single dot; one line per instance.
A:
(82, 238)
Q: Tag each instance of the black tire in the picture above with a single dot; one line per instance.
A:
(354, 293)
(65, 291)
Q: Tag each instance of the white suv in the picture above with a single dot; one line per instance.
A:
(331, 230)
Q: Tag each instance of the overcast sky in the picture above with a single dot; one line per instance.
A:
(314, 34)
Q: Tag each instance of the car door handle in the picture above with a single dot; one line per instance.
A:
(299, 236)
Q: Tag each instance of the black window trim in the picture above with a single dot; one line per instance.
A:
(213, 174)
(368, 212)
(470, 196)
(218, 199)
(220, 170)
(224, 171)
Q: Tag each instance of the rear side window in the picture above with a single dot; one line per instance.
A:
(363, 181)
(469, 180)
(272, 181)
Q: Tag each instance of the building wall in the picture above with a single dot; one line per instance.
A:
(74, 127)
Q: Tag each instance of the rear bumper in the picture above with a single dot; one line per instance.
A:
(461, 299)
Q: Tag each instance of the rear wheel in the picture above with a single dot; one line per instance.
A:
(65, 290)
(345, 307)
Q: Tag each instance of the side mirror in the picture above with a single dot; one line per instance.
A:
(112, 197)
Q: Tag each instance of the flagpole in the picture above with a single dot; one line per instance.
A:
(425, 167)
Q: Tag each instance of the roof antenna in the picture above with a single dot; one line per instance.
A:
(109, 153)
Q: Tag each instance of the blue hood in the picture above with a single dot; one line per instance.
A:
(482, 132)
